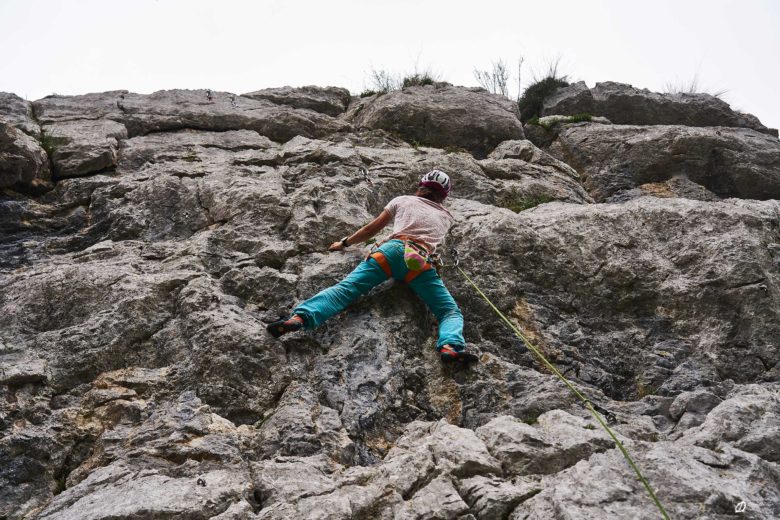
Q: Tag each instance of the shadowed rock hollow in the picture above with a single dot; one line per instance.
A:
(145, 240)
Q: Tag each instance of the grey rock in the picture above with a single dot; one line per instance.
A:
(18, 112)
(439, 499)
(528, 179)
(18, 369)
(300, 426)
(676, 187)
(528, 173)
(573, 99)
(445, 116)
(117, 491)
(690, 408)
(93, 106)
(729, 162)
(84, 146)
(415, 480)
(288, 479)
(84, 128)
(525, 150)
(539, 135)
(178, 109)
(749, 419)
(23, 163)
(553, 250)
(332, 101)
(457, 451)
(134, 358)
(559, 441)
(626, 105)
(493, 497)
(688, 482)
(544, 132)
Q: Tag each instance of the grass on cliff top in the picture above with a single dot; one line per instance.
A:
(530, 104)
(690, 87)
(416, 80)
(532, 99)
(383, 81)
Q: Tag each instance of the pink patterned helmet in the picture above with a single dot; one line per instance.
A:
(438, 180)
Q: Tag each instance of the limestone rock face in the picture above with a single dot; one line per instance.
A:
(332, 101)
(84, 146)
(626, 105)
(23, 163)
(84, 129)
(17, 112)
(444, 116)
(729, 162)
(137, 379)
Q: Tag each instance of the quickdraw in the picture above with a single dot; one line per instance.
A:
(364, 172)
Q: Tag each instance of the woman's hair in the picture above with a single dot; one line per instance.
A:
(430, 194)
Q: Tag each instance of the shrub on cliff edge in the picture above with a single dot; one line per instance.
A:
(530, 103)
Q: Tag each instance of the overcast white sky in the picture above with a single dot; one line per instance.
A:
(74, 47)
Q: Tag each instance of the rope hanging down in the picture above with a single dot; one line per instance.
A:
(576, 392)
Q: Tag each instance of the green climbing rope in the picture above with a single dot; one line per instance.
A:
(582, 398)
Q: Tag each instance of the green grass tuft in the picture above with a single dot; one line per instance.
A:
(517, 202)
(531, 419)
(417, 79)
(579, 118)
(383, 81)
(49, 143)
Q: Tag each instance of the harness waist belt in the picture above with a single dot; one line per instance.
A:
(381, 259)
(411, 239)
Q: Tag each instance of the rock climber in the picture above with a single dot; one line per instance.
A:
(420, 223)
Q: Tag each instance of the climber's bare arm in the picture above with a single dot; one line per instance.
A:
(366, 232)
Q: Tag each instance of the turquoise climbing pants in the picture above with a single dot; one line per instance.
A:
(428, 286)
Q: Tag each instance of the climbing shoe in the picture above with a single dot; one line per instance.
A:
(450, 354)
(280, 327)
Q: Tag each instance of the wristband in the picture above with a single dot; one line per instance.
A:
(344, 242)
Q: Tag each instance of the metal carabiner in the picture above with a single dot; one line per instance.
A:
(364, 171)
(455, 257)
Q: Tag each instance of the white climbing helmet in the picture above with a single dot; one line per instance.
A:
(438, 180)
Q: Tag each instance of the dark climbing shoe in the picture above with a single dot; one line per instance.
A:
(278, 328)
(450, 354)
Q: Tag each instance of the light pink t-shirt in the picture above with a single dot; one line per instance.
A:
(420, 218)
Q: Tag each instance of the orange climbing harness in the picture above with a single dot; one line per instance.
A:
(381, 259)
